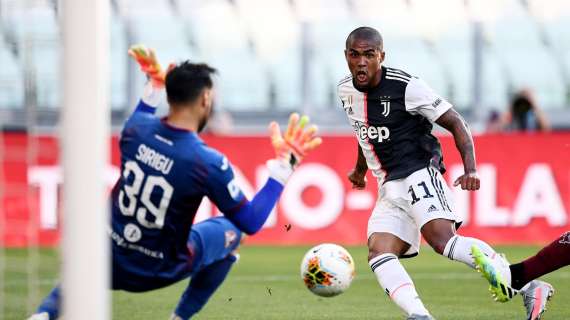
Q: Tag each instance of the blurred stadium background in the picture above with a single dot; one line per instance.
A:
(282, 55)
(277, 56)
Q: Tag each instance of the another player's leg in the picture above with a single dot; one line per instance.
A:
(50, 306)
(384, 250)
(550, 258)
(213, 242)
(535, 294)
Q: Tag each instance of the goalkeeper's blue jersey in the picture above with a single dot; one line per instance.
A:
(165, 173)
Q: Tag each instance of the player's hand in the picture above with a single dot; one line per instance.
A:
(358, 179)
(146, 58)
(298, 140)
(468, 181)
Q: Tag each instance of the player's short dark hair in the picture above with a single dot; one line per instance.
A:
(186, 81)
(366, 33)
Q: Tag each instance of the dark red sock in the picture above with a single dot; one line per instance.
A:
(552, 257)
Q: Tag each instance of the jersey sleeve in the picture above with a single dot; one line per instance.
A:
(421, 99)
(146, 107)
(221, 186)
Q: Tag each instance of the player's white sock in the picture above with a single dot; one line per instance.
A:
(458, 248)
(397, 283)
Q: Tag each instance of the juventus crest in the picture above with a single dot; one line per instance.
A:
(385, 103)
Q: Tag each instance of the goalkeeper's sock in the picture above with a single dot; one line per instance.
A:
(202, 286)
(458, 248)
(397, 283)
(51, 304)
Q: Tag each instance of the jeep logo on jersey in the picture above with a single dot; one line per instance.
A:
(372, 133)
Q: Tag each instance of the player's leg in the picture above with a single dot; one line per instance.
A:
(550, 258)
(535, 293)
(50, 306)
(441, 236)
(432, 210)
(213, 242)
(383, 257)
(391, 235)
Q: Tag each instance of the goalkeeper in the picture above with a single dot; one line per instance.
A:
(166, 170)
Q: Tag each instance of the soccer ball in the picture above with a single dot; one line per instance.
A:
(327, 270)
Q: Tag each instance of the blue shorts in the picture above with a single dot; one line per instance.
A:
(209, 241)
(212, 240)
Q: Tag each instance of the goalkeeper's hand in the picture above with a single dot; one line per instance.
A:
(146, 58)
(290, 148)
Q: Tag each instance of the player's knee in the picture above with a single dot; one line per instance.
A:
(438, 242)
(437, 233)
(377, 250)
(438, 246)
(383, 243)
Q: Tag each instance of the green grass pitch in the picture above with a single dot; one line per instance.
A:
(265, 284)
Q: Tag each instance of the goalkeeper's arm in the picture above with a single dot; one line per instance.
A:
(150, 99)
(290, 151)
(154, 89)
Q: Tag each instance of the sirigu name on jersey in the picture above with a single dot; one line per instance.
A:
(154, 159)
(365, 132)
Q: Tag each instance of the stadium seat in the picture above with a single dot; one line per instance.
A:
(243, 79)
(554, 17)
(326, 23)
(243, 83)
(164, 33)
(388, 11)
(271, 24)
(140, 8)
(455, 54)
(285, 74)
(36, 33)
(495, 81)
(11, 81)
(310, 10)
(119, 60)
(328, 65)
(449, 13)
(47, 63)
(517, 40)
(210, 35)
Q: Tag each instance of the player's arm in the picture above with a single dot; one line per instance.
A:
(291, 148)
(357, 176)
(154, 88)
(421, 99)
(453, 122)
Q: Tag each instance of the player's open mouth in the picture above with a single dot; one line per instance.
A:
(361, 76)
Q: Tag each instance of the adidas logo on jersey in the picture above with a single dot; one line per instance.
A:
(372, 133)
(432, 208)
(436, 103)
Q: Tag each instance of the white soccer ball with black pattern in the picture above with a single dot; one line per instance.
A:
(327, 270)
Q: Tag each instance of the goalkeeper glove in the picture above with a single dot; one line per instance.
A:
(291, 148)
(146, 58)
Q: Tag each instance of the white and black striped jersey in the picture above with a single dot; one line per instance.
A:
(393, 123)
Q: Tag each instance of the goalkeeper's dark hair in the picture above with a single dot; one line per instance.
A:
(186, 81)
